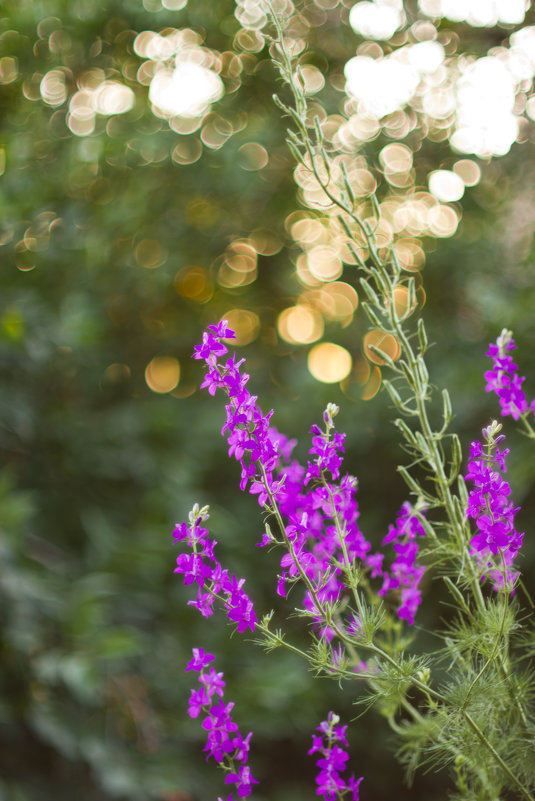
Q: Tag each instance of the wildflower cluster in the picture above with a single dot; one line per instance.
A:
(224, 743)
(246, 426)
(316, 507)
(202, 568)
(405, 572)
(504, 379)
(332, 761)
(309, 512)
(490, 506)
(320, 519)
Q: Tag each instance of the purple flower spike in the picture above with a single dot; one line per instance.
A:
(308, 499)
(405, 573)
(496, 543)
(247, 428)
(332, 761)
(224, 742)
(201, 567)
(504, 380)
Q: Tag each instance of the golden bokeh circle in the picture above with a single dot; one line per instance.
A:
(329, 363)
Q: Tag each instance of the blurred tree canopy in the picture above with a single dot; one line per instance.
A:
(147, 191)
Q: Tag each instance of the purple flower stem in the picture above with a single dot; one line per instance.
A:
(505, 381)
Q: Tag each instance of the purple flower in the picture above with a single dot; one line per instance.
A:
(243, 781)
(504, 380)
(200, 659)
(213, 682)
(209, 575)
(332, 761)
(204, 603)
(247, 428)
(496, 543)
(224, 742)
(320, 516)
(242, 747)
(313, 507)
(193, 568)
(328, 452)
(196, 702)
(405, 572)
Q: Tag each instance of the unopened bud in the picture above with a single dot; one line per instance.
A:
(490, 432)
(199, 513)
(424, 675)
(330, 412)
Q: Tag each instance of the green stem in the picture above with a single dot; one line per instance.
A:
(518, 784)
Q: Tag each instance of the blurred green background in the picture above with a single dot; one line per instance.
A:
(124, 230)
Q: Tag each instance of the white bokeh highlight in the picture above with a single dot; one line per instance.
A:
(377, 20)
(486, 123)
(186, 91)
(479, 13)
(384, 85)
(446, 185)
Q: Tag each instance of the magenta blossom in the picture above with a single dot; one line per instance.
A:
(497, 542)
(224, 743)
(201, 567)
(504, 379)
(333, 757)
(405, 572)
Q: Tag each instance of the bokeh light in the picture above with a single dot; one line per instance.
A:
(385, 342)
(186, 91)
(150, 253)
(97, 96)
(183, 78)
(116, 373)
(244, 323)
(372, 385)
(8, 69)
(313, 79)
(468, 171)
(329, 363)
(53, 89)
(338, 301)
(377, 20)
(402, 302)
(194, 283)
(446, 185)
(162, 374)
(380, 85)
(480, 13)
(238, 267)
(300, 325)
(486, 122)
(324, 263)
(443, 221)
(252, 156)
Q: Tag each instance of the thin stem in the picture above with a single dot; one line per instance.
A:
(473, 725)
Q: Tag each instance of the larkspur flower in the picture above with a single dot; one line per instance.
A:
(224, 743)
(316, 504)
(310, 501)
(243, 780)
(504, 379)
(332, 761)
(405, 573)
(200, 659)
(246, 428)
(496, 543)
(202, 567)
